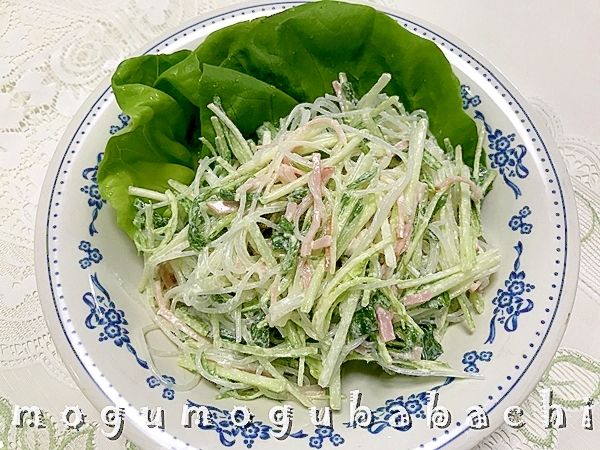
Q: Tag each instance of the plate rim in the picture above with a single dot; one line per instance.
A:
(542, 356)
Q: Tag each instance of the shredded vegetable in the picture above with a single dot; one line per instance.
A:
(345, 233)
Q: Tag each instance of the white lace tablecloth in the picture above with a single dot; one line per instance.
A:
(54, 53)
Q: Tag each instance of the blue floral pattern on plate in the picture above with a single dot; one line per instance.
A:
(229, 432)
(92, 190)
(93, 255)
(167, 393)
(414, 405)
(505, 158)
(125, 119)
(470, 360)
(323, 434)
(105, 315)
(509, 303)
(517, 222)
(468, 98)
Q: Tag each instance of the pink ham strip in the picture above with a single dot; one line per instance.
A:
(406, 221)
(384, 322)
(484, 283)
(322, 242)
(417, 353)
(417, 299)
(401, 145)
(386, 272)
(337, 88)
(475, 286)
(333, 124)
(402, 243)
(290, 211)
(404, 228)
(326, 174)
(361, 349)
(254, 183)
(475, 192)
(261, 270)
(288, 173)
(306, 274)
(479, 286)
(314, 185)
(167, 276)
(223, 207)
(165, 312)
(303, 207)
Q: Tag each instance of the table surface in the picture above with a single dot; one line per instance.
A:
(52, 55)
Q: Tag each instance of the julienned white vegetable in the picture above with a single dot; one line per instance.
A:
(345, 234)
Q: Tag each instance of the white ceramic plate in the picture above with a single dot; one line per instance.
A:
(87, 269)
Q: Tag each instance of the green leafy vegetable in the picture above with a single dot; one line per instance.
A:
(247, 101)
(260, 334)
(153, 148)
(432, 349)
(439, 301)
(204, 228)
(363, 322)
(227, 194)
(285, 240)
(302, 50)
(260, 69)
(297, 195)
(197, 230)
(363, 180)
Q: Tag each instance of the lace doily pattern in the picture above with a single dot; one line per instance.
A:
(583, 163)
(572, 375)
(51, 57)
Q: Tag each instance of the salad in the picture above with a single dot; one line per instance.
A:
(343, 226)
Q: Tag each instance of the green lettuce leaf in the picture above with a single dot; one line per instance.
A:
(153, 148)
(161, 93)
(260, 70)
(247, 101)
(302, 50)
